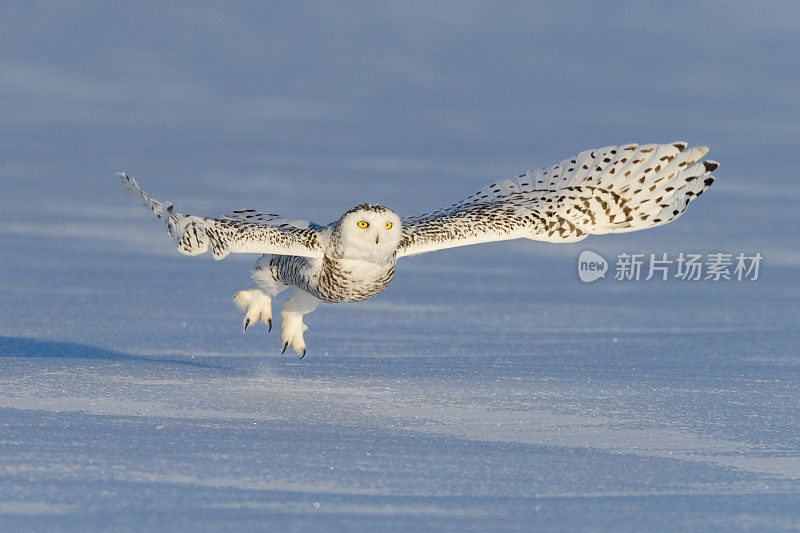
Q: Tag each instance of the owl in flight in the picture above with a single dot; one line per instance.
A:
(608, 190)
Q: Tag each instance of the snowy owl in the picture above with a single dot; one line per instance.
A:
(607, 190)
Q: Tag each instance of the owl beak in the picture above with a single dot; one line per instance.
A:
(377, 239)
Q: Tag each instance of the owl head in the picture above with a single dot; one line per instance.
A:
(370, 232)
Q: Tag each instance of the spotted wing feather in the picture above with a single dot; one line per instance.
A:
(270, 219)
(194, 235)
(607, 190)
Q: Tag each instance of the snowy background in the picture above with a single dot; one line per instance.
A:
(487, 386)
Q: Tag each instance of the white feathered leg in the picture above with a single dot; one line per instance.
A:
(292, 327)
(257, 303)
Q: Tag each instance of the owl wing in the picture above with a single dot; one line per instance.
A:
(608, 190)
(234, 233)
(270, 219)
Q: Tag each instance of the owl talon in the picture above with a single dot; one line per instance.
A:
(255, 304)
(304, 353)
(269, 322)
(285, 344)
(292, 329)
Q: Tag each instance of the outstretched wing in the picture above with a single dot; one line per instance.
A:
(608, 190)
(232, 234)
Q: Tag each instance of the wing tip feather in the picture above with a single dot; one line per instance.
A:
(131, 186)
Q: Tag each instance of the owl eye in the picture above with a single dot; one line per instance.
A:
(363, 224)
(388, 225)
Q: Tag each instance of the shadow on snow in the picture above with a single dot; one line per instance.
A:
(26, 347)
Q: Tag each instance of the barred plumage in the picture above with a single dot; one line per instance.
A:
(608, 190)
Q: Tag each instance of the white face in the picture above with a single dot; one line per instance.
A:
(371, 233)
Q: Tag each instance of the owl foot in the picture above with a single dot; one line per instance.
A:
(255, 304)
(292, 329)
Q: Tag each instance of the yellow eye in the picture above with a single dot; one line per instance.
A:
(363, 224)
(388, 225)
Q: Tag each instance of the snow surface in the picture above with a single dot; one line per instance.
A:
(131, 399)
(487, 387)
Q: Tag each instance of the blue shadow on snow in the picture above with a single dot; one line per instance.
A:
(26, 347)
